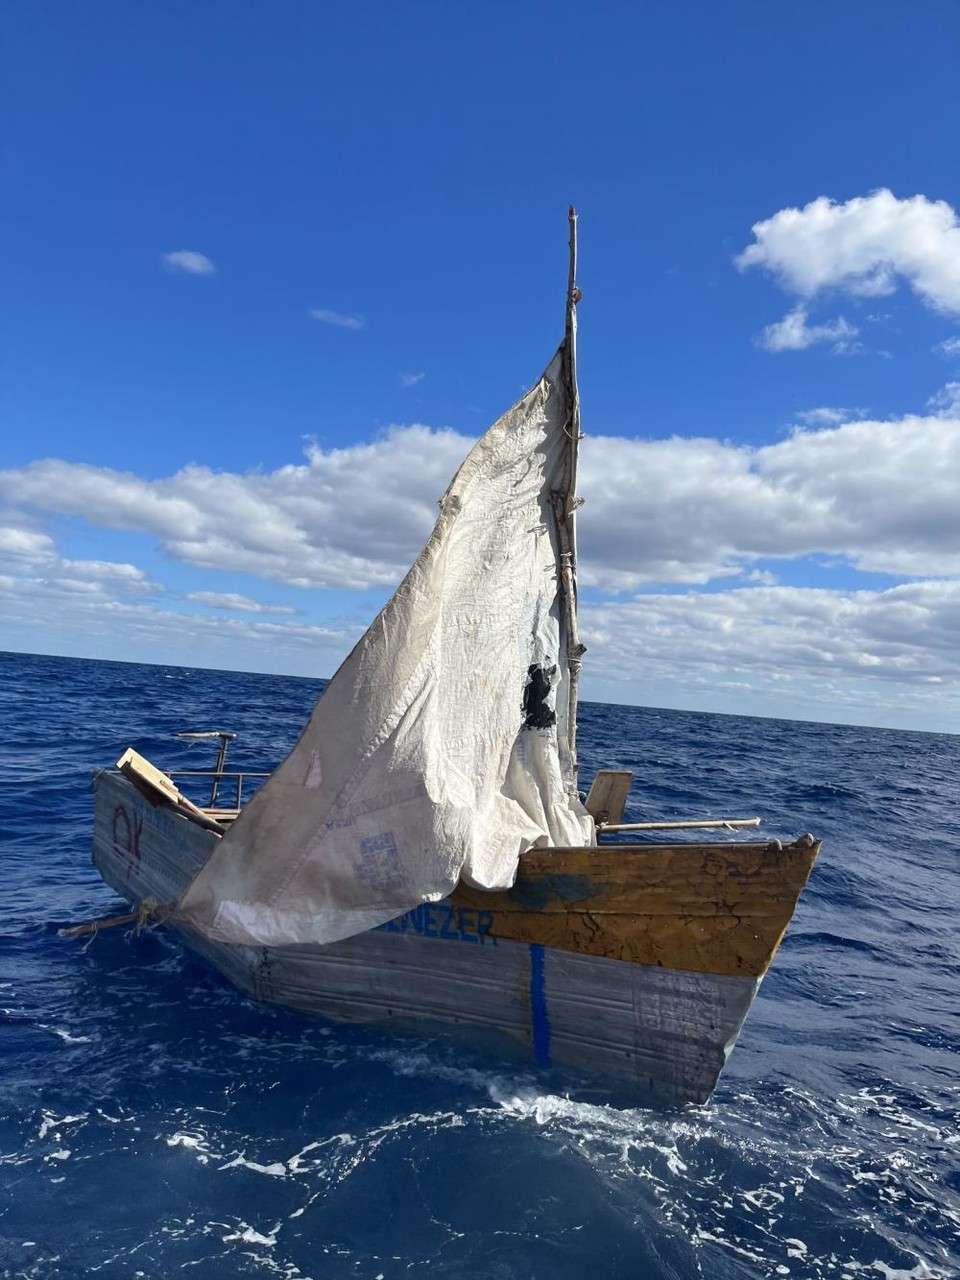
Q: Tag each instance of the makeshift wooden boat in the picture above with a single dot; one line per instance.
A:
(423, 856)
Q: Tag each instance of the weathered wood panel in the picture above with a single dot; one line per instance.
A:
(143, 851)
(704, 908)
(666, 1031)
(654, 1030)
(608, 794)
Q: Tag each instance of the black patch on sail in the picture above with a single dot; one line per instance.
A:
(536, 713)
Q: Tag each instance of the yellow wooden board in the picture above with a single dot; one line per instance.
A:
(704, 908)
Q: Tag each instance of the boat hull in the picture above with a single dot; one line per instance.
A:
(632, 965)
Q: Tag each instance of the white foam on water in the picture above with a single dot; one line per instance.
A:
(296, 1162)
(113, 1119)
(705, 1165)
(50, 1120)
(415, 1063)
(275, 1170)
(248, 1235)
(192, 1142)
(66, 1036)
(733, 1184)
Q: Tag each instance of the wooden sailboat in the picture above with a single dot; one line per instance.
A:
(411, 866)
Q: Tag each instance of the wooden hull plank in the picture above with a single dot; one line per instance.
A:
(703, 908)
(654, 1032)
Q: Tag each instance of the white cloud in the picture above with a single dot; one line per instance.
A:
(232, 601)
(707, 508)
(863, 246)
(862, 655)
(826, 416)
(25, 543)
(189, 262)
(89, 623)
(411, 379)
(946, 402)
(27, 551)
(339, 319)
(793, 333)
(763, 577)
(950, 347)
(826, 650)
(124, 574)
(352, 517)
(883, 496)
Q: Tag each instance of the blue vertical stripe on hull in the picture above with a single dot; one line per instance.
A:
(539, 1017)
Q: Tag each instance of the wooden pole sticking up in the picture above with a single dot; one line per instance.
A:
(565, 506)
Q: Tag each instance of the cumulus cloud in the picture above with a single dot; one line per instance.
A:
(189, 262)
(708, 508)
(829, 653)
(108, 626)
(351, 517)
(233, 602)
(26, 551)
(411, 379)
(950, 347)
(794, 333)
(864, 246)
(123, 574)
(339, 319)
(25, 543)
(820, 648)
(882, 495)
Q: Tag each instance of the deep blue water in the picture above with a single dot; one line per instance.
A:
(153, 1122)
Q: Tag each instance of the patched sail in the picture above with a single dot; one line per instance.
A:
(436, 752)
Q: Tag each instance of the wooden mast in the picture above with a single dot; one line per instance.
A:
(565, 506)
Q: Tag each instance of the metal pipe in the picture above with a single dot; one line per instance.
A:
(602, 828)
(209, 773)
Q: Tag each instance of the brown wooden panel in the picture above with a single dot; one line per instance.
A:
(720, 908)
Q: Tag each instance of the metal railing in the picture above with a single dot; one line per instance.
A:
(215, 777)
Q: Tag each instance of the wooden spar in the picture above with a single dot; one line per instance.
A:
(94, 926)
(565, 506)
(147, 913)
(675, 826)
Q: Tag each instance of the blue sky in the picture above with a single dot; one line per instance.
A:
(406, 170)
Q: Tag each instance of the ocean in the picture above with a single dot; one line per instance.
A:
(155, 1123)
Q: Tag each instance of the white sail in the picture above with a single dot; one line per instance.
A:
(433, 754)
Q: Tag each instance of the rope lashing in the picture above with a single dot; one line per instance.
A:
(147, 914)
